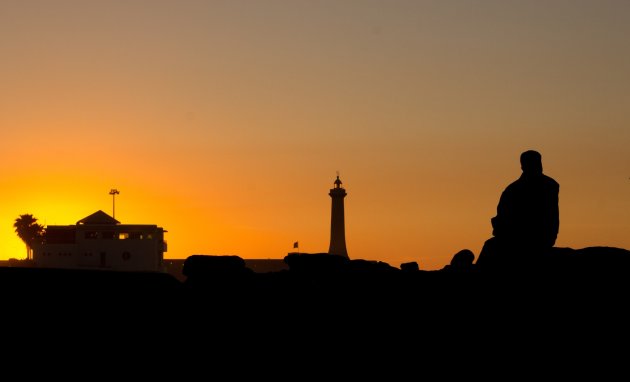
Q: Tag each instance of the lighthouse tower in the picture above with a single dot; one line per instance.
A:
(337, 226)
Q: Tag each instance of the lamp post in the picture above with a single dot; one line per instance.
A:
(113, 192)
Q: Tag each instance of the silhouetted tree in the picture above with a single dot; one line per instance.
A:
(29, 231)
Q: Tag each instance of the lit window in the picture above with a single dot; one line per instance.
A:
(135, 235)
(123, 235)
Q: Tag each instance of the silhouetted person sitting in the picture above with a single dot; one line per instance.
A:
(527, 221)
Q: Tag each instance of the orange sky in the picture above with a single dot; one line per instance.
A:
(225, 121)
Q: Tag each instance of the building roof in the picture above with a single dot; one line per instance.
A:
(99, 217)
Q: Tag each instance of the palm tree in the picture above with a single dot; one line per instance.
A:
(29, 231)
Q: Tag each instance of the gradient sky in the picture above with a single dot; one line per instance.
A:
(225, 122)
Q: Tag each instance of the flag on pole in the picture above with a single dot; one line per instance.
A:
(296, 245)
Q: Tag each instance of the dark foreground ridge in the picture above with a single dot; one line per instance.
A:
(571, 302)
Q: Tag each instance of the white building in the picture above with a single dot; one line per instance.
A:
(100, 242)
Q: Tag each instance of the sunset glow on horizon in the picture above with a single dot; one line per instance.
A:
(225, 122)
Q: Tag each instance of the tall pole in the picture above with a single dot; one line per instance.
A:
(113, 192)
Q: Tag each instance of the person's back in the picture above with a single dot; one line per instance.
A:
(527, 219)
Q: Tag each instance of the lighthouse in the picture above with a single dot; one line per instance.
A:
(337, 225)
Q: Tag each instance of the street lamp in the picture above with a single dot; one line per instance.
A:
(113, 192)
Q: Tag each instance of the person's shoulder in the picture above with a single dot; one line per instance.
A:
(514, 185)
(551, 181)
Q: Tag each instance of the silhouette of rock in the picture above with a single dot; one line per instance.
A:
(316, 262)
(462, 260)
(370, 266)
(329, 263)
(411, 266)
(223, 277)
(592, 260)
(202, 266)
(559, 262)
(605, 257)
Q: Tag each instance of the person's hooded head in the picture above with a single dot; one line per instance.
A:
(531, 162)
